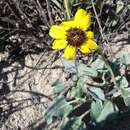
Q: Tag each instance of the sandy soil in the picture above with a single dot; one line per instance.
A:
(26, 93)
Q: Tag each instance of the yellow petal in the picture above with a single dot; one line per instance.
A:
(83, 19)
(84, 49)
(59, 44)
(68, 24)
(70, 53)
(88, 47)
(90, 34)
(91, 44)
(81, 13)
(57, 32)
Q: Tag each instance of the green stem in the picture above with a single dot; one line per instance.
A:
(66, 4)
(76, 64)
(86, 113)
(109, 68)
(73, 101)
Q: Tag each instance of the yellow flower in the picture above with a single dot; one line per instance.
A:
(73, 35)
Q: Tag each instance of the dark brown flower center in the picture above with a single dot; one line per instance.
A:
(75, 37)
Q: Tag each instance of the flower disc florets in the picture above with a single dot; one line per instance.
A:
(75, 37)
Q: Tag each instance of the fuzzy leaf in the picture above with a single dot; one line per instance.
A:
(109, 108)
(125, 59)
(122, 82)
(60, 108)
(96, 108)
(70, 65)
(80, 87)
(127, 101)
(83, 70)
(100, 111)
(96, 93)
(125, 90)
(58, 86)
(99, 64)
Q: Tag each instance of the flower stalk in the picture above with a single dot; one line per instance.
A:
(66, 5)
(108, 67)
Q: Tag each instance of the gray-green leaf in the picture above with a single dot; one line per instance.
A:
(83, 70)
(122, 82)
(125, 59)
(96, 108)
(125, 92)
(100, 111)
(70, 66)
(80, 87)
(60, 108)
(109, 108)
(98, 64)
(58, 86)
(96, 93)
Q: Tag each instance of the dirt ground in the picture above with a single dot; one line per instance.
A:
(28, 92)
